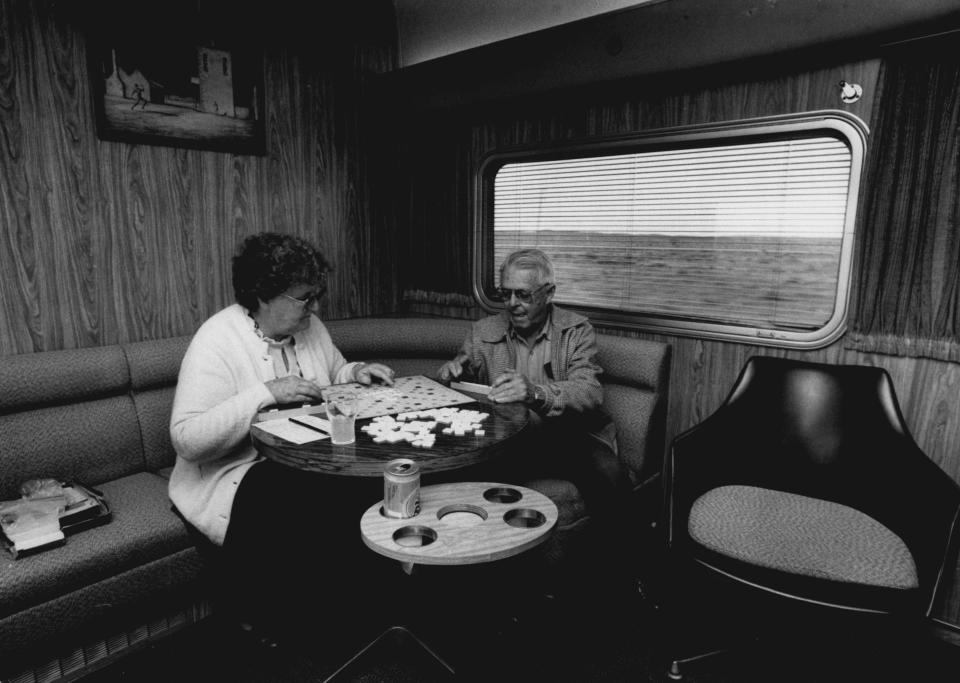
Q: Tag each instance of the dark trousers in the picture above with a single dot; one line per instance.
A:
(552, 451)
(501, 606)
(608, 549)
(294, 557)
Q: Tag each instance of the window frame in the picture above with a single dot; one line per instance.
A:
(839, 124)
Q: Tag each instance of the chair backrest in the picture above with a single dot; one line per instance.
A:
(819, 413)
(814, 428)
(834, 432)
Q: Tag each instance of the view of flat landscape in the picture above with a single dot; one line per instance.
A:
(774, 282)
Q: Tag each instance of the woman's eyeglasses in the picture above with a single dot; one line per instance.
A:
(524, 296)
(312, 298)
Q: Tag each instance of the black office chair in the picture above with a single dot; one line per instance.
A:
(806, 490)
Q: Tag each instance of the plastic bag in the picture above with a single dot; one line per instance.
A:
(33, 489)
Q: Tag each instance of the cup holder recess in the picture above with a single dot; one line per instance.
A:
(524, 518)
(502, 494)
(414, 536)
(462, 514)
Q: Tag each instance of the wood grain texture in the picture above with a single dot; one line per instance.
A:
(462, 523)
(104, 242)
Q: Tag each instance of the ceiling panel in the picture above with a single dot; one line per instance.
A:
(429, 29)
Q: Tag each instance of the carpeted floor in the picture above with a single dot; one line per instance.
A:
(551, 643)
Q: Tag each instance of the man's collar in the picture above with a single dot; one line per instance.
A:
(496, 327)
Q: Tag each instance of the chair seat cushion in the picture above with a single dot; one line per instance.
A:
(801, 535)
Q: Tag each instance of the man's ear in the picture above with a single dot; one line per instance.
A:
(550, 291)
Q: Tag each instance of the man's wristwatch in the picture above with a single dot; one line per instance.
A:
(539, 395)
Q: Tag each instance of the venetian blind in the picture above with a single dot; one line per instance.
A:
(746, 234)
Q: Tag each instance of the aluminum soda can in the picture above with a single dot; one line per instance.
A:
(401, 488)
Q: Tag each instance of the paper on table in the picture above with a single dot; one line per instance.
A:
(294, 433)
(288, 410)
(312, 421)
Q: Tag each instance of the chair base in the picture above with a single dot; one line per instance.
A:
(395, 655)
(677, 668)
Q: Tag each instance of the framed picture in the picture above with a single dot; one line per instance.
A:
(177, 78)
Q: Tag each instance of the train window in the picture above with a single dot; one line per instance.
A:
(741, 231)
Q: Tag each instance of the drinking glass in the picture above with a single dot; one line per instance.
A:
(342, 413)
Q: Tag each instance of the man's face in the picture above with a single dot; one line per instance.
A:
(527, 317)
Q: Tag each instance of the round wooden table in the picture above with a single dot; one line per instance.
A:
(366, 458)
(462, 523)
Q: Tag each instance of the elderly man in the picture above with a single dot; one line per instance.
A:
(544, 356)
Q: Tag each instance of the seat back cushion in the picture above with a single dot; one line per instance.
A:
(639, 418)
(155, 363)
(153, 411)
(640, 363)
(406, 367)
(34, 380)
(90, 441)
(411, 346)
(66, 414)
(154, 368)
(382, 338)
(801, 535)
(636, 373)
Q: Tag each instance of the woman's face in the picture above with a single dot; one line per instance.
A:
(290, 312)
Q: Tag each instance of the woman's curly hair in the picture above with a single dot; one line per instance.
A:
(269, 263)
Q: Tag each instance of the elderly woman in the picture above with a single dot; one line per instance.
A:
(268, 348)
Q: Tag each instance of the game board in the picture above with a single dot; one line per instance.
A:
(407, 395)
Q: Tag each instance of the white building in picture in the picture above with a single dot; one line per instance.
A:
(215, 70)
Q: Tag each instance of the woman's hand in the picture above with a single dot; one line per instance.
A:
(292, 389)
(364, 373)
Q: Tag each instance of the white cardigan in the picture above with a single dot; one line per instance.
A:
(220, 389)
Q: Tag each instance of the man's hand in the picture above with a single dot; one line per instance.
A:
(365, 373)
(510, 387)
(452, 369)
(292, 389)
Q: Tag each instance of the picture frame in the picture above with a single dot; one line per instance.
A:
(177, 79)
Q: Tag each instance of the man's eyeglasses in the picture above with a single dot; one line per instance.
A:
(312, 298)
(524, 296)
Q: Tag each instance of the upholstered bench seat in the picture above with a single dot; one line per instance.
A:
(141, 531)
(99, 416)
(801, 535)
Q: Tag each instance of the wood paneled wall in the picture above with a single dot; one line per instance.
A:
(703, 371)
(104, 242)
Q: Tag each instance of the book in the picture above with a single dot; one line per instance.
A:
(29, 525)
